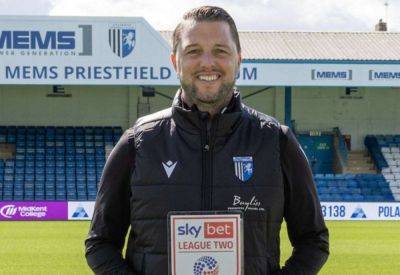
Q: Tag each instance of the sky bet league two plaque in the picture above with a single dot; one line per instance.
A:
(205, 243)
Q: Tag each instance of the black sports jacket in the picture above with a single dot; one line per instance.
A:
(180, 160)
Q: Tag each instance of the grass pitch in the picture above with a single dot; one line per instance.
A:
(357, 247)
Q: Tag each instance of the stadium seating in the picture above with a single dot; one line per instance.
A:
(387, 148)
(65, 163)
(54, 163)
(350, 187)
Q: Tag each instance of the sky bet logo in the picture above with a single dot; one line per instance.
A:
(211, 230)
(46, 40)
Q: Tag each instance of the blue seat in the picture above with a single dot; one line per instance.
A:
(50, 191)
(99, 144)
(60, 197)
(90, 158)
(91, 177)
(91, 165)
(80, 164)
(60, 151)
(8, 177)
(100, 158)
(336, 197)
(108, 139)
(98, 130)
(81, 177)
(340, 176)
(82, 197)
(50, 197)
(39, 197)
(70, 144)
(89, 143)
(69, 130)
(59, 137)
(92, 196)
(72, 197)
(50, 152)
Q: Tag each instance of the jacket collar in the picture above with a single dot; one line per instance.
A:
(193, 120)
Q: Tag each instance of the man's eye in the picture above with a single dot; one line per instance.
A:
(221, 51)
(194, 51)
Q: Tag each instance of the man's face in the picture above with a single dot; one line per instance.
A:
(207, 62)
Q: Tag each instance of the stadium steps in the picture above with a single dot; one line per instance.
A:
(359, 162)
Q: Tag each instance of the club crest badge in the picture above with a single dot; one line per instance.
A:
(243, 167)
(122, 41)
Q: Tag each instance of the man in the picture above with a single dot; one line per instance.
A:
(183, 159)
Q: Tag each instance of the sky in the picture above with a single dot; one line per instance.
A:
(291, 15)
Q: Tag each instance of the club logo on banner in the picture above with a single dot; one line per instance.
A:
(243, 167)
(122, 40)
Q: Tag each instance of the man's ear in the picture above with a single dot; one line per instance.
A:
(173, 61)
(239, 59)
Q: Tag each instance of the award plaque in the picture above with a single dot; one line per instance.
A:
(205, 243)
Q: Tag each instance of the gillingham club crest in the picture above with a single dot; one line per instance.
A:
(243, 167)
(122, 40)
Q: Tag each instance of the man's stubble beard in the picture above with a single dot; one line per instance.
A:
(213, 104)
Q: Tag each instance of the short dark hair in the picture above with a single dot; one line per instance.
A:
(206, 13)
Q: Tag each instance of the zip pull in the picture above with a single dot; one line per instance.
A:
(206, 148)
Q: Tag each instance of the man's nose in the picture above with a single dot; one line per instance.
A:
(207, 60)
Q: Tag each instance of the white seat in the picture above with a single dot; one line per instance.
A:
(393, 185)
(388, 156)
(395, 149)
(386, 170)
(385, 149)
(389, 176)
(395, 169)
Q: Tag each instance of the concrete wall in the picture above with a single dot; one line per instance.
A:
(88, 105)
(368, 111)
(104, 105)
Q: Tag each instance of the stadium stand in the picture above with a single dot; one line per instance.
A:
(386, 149)
(350, 187)
(358, 176)
(65, 163)
(54, 163)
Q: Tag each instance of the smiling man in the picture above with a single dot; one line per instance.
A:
(206, 59)
(207, 152)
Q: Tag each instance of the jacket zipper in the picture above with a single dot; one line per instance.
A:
(208, 133)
